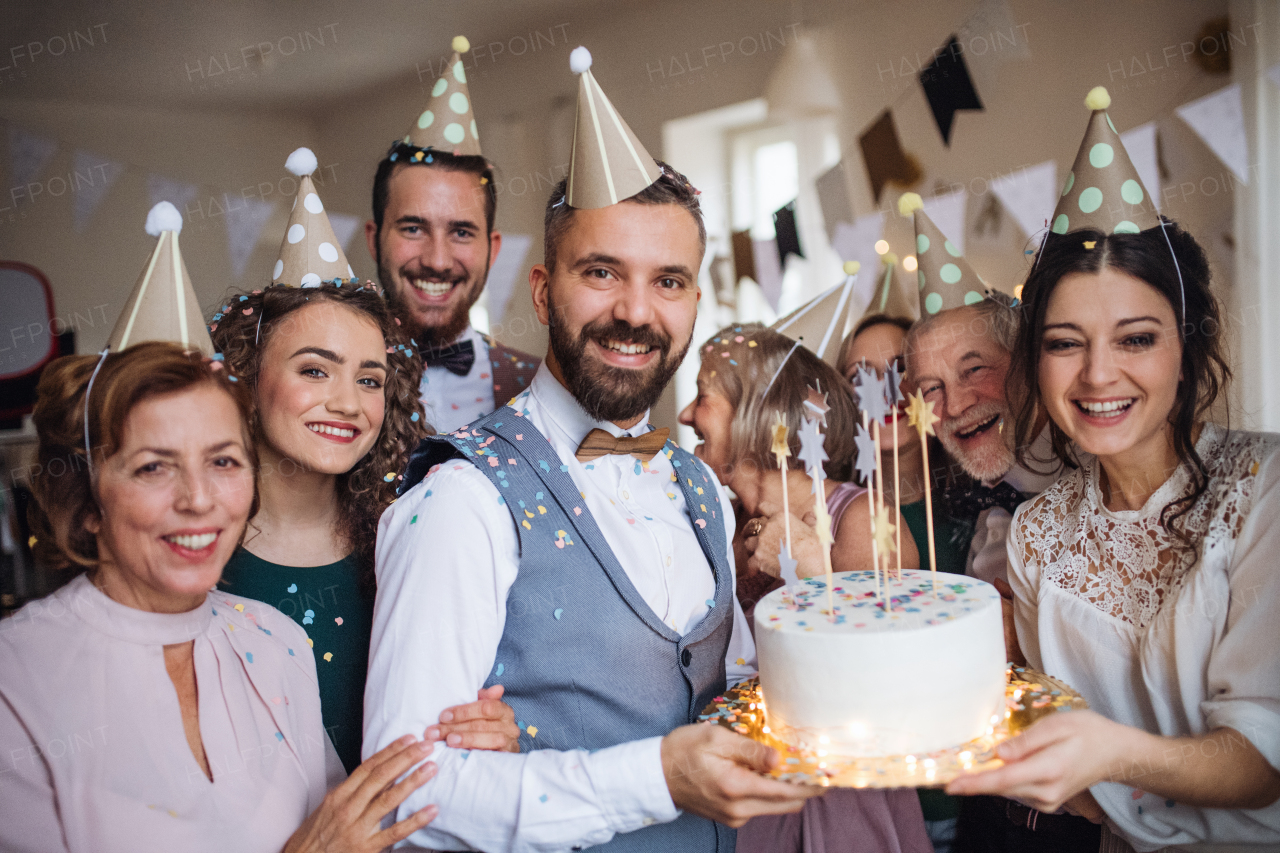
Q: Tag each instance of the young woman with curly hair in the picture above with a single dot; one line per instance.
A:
(335, 388)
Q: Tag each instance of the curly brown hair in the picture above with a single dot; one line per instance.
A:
(62, 480)
(240, 331)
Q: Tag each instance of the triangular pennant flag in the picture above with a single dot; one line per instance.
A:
(89, 194)
(833, 196)
(608, 164)
(819, 324)
(29, 155)
(310, 252)
(163, 305)
(947, 212)
(768, 270)
(244, 227)
(857, 242)
(948, 87)
(946, 280)
(1028, 194)
(744, 259)
(1103, 192)
(883, 156)
(344, 227)
(1273, 74)
(177, 193)
(1143, 150)
(889, 298)
(448, 124)
(1218, 119)
(784, 231)
(503, 273)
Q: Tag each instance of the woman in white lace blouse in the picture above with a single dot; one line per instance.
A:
(1147, 578)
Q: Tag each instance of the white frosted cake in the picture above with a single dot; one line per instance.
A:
(926, 675)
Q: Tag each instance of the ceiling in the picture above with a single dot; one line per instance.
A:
(280, 56)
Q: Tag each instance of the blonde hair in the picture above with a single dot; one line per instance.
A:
(761, 373)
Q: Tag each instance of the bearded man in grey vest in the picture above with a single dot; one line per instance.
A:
(563, 548)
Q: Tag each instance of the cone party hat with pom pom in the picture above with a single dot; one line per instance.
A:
(608, 163)
(945, 277)
(889, 299)
(448, 124)
(310, 252)
(163, 305)
(1103, 191)
(819, 324)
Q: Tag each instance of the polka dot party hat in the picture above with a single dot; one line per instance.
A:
(1103, 191)
(163, 305)
(447, 124)
(819, 324)
(889, 299)
(608, 164)
(310, 252)
(946, 279)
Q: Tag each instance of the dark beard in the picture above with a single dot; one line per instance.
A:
(428, 337)
(608, 393)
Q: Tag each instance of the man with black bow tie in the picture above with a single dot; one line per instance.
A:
(432, 235)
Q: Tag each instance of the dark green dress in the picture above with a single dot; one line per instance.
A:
(951, 546)
(327, 602)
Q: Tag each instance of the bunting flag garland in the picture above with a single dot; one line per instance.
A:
(29, 155)
(1028, 194)
(857, 243)
(833, 197)
(768, 270)
(784, 230)
(503, 272)
(1142, 143)
(89, 194)
(948, 87)
(744, 258)
(884, 158)
(1218, 119)
(244, 227)
(177, 193)
(344, 227)
(948, 212)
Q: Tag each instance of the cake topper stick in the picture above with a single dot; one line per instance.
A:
(893, 396)
(922, 418)
(814, 455)
(867, 464)
(882, 541)
(781, 449)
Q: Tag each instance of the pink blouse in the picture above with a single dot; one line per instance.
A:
(92, 751)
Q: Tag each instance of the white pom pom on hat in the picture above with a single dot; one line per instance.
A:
(579, 60)
(163, 217)
(301, 162)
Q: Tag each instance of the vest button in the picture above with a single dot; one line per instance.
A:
(687, 657)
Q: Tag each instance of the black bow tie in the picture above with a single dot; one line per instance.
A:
(457, 358)
(968, 502)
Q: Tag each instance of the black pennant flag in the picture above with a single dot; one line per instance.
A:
(784, 227)
(948, 87)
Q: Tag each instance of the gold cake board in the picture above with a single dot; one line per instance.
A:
(1029, 696)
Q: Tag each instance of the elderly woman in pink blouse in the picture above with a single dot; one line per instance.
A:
(139, 710)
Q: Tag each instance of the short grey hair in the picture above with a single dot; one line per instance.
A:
(999, 315)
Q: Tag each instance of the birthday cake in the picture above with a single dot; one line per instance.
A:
(908, 674)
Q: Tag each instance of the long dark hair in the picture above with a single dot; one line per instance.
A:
(1145, 256)
(240, 331)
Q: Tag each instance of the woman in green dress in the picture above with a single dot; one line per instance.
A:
(336, 415)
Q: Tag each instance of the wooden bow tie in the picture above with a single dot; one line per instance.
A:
(600, 443)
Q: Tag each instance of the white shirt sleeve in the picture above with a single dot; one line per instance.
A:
(447, 556)
(987, 558)
(740, 658)
(1025, 582)
(1244, 669)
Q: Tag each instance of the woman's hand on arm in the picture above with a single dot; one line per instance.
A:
(1064, 754)
(487, 723)
(350, 817)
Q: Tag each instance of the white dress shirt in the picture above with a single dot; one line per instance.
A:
(447, 556)
(454, 401)
(988, 559)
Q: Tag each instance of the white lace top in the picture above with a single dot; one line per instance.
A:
(1172, 640)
